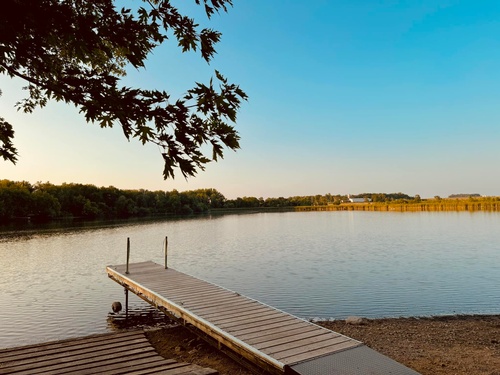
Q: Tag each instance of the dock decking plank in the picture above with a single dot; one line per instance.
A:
(243, 318)
(307, 345)
(181, 287)
(262, 329)
(294, 359)
(283, 340)
(207, 301)
(230, 301)
(55, 354)
(66, 347)
(122, 366)
(55, 364)
(242, 310)
(137, 366)
(219, 310)
(192, 293)
(255, 323)
(38, 349)
(276, 333)
(116, 353)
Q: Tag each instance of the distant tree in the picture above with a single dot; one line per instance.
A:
(378, 198)
(173, 201)
(15, 199)
(125, 207)
(396, 196)
(300, 201)
(278, 202)
(90, 210)
(217, 199)
(462, 195)
(244, 202)
(77, 51)
(44, 205)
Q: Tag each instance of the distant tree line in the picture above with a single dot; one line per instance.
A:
(313, 200)
(48, 201)
(317, 200)
(45, 201)
(463, 195)
(387, 197)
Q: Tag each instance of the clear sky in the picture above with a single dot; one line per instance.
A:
(344, 97)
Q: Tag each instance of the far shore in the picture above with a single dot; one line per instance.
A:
(422, 206)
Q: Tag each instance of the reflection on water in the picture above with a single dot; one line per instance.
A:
(312, 264)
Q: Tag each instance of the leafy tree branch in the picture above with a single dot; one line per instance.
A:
(77, 51)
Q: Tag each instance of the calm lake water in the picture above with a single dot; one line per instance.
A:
(53, 283)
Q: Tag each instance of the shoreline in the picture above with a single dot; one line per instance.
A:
(440, 345)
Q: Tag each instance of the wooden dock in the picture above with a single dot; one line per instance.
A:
(277, 342)
(114, 353)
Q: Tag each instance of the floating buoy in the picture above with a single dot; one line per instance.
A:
(116, 307)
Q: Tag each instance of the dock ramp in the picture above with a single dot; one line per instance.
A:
(275, 341)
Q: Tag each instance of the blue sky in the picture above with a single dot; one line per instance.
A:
(344, 97)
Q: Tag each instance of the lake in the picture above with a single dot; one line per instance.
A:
(311, 264)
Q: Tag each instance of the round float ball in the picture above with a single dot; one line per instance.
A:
(116, 307)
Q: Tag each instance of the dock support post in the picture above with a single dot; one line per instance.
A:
(126, 303)
(128, 253)
(166, 247)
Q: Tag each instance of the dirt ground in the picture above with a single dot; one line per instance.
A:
(452, 345)
(184, 346)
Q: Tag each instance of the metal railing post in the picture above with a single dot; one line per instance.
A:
(128, 253)
(166, 251)
(126, 303)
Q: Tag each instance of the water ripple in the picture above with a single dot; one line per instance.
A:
(316, 264)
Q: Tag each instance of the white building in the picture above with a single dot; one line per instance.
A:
(355, 200)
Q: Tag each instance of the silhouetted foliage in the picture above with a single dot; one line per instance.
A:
(78, 51)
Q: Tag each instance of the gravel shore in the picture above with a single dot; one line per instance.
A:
(448, 345)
